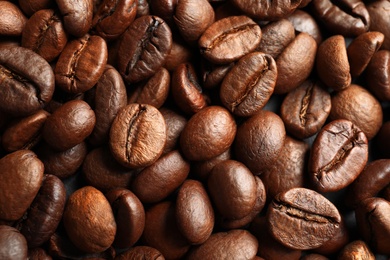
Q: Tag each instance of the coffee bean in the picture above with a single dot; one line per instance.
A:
(141, 252)
(356, 249)
(379, 14)
(13, 245)
(29, 7)
(378, 75)
(304, 22)
(12, 19)
(77, 15)
(175, 124)
(202, 169)
(302, 219)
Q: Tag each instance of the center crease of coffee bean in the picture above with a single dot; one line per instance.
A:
(191, 78)
(109, 8)
(74, 62)
(42, 34)
(131, 132)
(305, 105)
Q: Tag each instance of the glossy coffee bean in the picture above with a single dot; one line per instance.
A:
(77, 15)
(249, 84)
(44, 33)
(141, 252)
(338, 155)
(69, 125)
(194, 212)
(305, 109)
(378, 75)
(13, 245)
(12, 19)
(259, 141)
(81, 64)
(302, 219)
(21, 175)
(304, 22)
(166, 174)
(175, 124)
(143, 8)
(89, 220)
(360, 107)
(208, 133)
(29, 7)
(202, 169)
(129, 216)
(27, 83)
(356, 249)
(229, 39)
(379, 14)
(164, 9)
(143, 48)
(137, 135)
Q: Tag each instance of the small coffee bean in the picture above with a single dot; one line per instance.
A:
(304, 22)
(77, 15)
(13, 245)
(356, 249)
(12, 19)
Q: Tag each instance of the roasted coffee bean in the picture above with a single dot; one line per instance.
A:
(192, 18)
(302, 219)
(346, 17)
(24, 133)
(45, 213)
(378, 75)
(179, 53)
(212, 75)
(69, 125)
(81, 64)
(154, 91)
(164, 9)
(137, 135)
(373, 220)
(305, 109)
(29, 7)
(12, 19)
(208, 133)
(143, 8)
(89, 220)
(267, 11)
(44, 33)
(304, 22)
(194, 212)
(27, 81)
(13, 245)
(186, 90)
(356, 250)
(21, 175)
(129, 216)
(332, 63)
(229, 39)
(77, 15)
(166, 174)
(379, 12)
(360, 107)
(143, 48)
(202, 169)
(175, 124)
(259, 141)
(113, 17)
(361, 50)
(141, 253)
(110, 96)
(374, 178)
(249, 84)
(338, 155)
(234, 244)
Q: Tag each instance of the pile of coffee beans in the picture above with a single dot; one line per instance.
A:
(195, 129)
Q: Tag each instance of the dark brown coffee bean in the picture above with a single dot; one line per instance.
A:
(154, 91)
(356, 250)
(110, 97)
(24, 133)
(338, 155)
(69, 125)
(259, 141)
(161, 231)
(202, 169)
(267, 11)
(166, 175)
(89, 220)
(81, 64)
(194, 212)
(27, 83)
(208, 133)
(101, 170)
(229, 39)
(304, 22)
(180, 53)
(374, 178)
(21, 175)
(380, 17)
(129, 216)
(45, 212)
(12, 19)
(302, 219)
(346, 17)
(175, 124)
(141, 253)
(186, 90)
(305, 109)
(249, 84)
(143, 8)
(332, 63)
(378, 75)
(164, 9)
(234, 244)
(373, 220)
(360, 107)
(212, 75)
(77, 15)
(192, 18)
(13, 245)
(44, 33)
(113, 17)
(361, 50)
(143, 48)
(29, 7)
(137, 135)
(38, 254)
